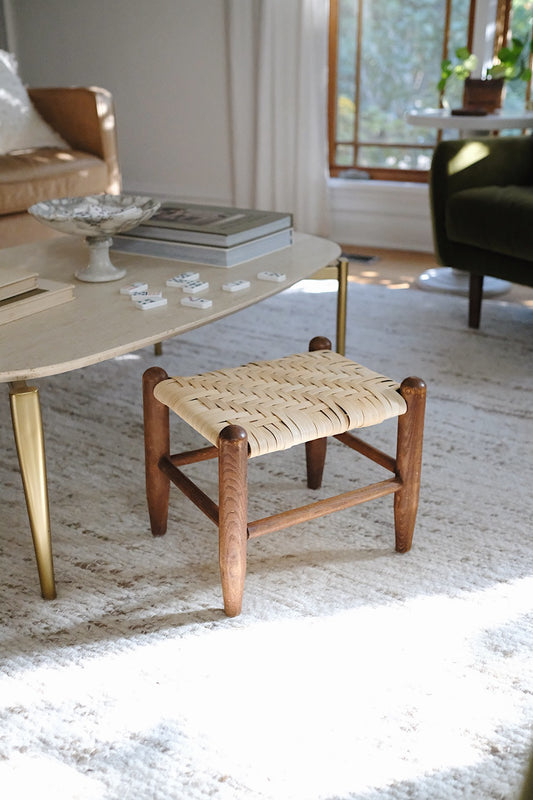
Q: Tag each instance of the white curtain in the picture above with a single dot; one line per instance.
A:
(277, 78)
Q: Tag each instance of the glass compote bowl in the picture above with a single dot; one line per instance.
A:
(97, 218)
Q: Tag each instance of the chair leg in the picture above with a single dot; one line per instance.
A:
(409, 461)
(474, 300)
(233, 515)
(315, 451)
(315, 457)
(156, 445)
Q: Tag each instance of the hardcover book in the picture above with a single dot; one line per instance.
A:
(218, 226)
(9, 286)
(45, 294)
(203, 254)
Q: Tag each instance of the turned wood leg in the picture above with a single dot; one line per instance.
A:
(409, 461)
(233, 515)
(29, 439)
(315, 451)
(315, 457)
(156, 445)
(474, 300)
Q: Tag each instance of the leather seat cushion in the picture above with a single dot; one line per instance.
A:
(497, 218)
(28, 176)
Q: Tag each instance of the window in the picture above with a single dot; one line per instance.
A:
(384, 59)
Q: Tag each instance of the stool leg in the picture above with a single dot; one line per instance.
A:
(315, 451)
(156, 445)
(233, 515)
(409, 461)
(315, 457)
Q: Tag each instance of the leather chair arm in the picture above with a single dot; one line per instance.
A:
(85, 118)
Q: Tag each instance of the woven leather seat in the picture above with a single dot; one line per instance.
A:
(263, 407)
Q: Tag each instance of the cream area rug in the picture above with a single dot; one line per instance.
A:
(353, 671)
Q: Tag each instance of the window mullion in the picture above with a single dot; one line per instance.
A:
(358, 80)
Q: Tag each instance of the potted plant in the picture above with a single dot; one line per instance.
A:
(484, 95)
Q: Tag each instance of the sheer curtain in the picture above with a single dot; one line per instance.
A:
(277, 79)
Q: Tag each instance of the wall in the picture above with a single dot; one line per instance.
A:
(386, 214)
(165, 63)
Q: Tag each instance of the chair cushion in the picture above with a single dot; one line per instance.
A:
(28, 176)
(497, 218)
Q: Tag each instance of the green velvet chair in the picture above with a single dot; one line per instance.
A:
(481, 194)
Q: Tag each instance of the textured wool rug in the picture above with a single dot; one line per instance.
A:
(353, 672)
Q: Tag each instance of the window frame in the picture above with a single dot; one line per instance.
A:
(503, 14)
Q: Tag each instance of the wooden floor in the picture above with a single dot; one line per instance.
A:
(399, 269)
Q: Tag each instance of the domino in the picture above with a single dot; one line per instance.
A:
(236, 286)
(147, 303)
(183, 277)
(193, 287)
(197, 302)
(148, 295)
(277, 277)
(133, 288)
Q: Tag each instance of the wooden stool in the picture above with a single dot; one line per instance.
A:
(272, 405)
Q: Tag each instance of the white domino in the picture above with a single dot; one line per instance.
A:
(183, 277)
(196, 302)
(134, 288)
(277, 277)
(236, 286)
(147, 303)
(147, 295)
(193, 287)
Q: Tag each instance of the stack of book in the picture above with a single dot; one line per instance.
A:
(28, 294)
(216, 235)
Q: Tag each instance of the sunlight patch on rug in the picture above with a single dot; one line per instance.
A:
(408, 674)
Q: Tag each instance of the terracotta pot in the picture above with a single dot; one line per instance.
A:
(482, 96)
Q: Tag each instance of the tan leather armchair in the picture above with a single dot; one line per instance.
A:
(84, 117)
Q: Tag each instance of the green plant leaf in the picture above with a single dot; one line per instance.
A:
(461, 72)
(462, 53)
(497, 71)
(505, 54)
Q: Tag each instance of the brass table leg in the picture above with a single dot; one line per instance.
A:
(341, 268)
(29, 439)
(342, 300)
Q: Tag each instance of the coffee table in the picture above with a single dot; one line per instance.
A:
(100, 324)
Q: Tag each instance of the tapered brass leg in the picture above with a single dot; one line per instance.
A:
(29, 439)
(342, 300)
(341, 269)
